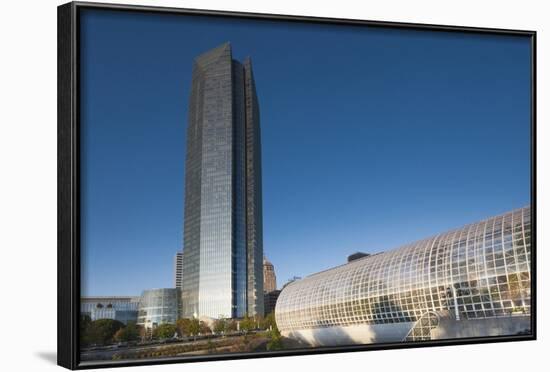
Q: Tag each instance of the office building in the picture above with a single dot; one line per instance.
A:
(222, 273)
(159, 306)
(178, 267)
(121, 308)
(474, 281)
(270, 279)
(270, 299)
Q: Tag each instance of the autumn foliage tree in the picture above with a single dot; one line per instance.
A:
(194, 327)
(163, 331)
(247, 324)
(191, 327)
(231, 326)
(219, 326)
(183, 326)
(129, 333)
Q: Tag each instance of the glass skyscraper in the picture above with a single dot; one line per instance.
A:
(222, 257)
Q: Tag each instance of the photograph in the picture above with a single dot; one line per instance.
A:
(256, 185)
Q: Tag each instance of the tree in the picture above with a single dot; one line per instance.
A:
(191, 327)
(120, 335)
(194, 327)
(163, 331)
(275, 342)
(184, 327)
(144, 333)
(85, 322)
(231, 326)
(188, 327)
(258, 321)
(219, 326)
(247, 324)
(101, 331)
(129, 333)
(269, 322)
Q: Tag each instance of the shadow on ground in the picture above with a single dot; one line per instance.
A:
(48, 356)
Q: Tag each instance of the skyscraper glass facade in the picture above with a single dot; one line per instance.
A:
(480, 271)
(221, 275)
(178, 267)
(254, 212)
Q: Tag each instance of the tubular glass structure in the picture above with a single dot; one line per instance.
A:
(476, 272)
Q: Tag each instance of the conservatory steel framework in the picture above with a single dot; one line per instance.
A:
(479, 271)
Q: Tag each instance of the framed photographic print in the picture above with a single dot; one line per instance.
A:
(237, 185)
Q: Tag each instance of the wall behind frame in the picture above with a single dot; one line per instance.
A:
(28, 191)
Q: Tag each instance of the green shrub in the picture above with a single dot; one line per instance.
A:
(275, 342)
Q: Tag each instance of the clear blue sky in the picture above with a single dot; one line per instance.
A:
(371, 137)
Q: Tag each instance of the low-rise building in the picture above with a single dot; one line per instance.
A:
(159, 306)
(121, 308)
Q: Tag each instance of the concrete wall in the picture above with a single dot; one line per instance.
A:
(396, 332)
(450, 328)
(350, 335)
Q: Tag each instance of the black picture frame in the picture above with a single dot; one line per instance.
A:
(69, 182)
